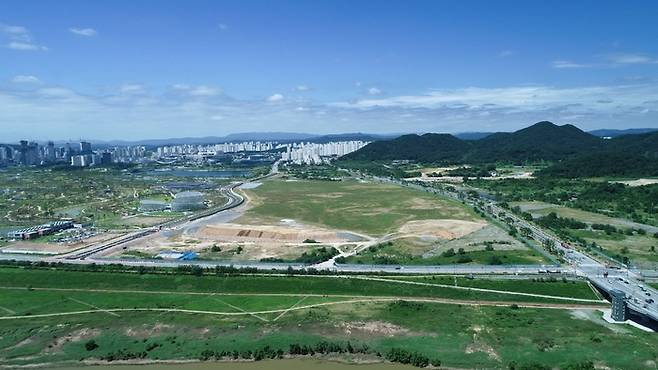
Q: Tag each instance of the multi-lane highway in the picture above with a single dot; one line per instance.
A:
(640, 297)
(234, 200)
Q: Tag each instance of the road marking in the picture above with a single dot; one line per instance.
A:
(92, 306)
(290, 308)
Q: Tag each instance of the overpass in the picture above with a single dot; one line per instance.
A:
(640, 298)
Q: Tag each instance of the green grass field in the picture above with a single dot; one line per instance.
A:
(636, 247)
(394, 254)
(292, 285)
(540, 285)
(542, 209)
(458, 335)
(370, 208)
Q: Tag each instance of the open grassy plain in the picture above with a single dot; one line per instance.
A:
(394, 253)
(538, 209)
(370, 208)
(176, 317)
(640, 247)
(488, 245)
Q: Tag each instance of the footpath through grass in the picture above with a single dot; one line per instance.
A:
(241, 284)
(460, 336)
(541, 285)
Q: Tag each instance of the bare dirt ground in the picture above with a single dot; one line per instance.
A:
(639, 182)
(371, 328)
(73, 337)
(444, 229)
(240, 239)
(463, 237)
(295, 234)
(596, 316)
(476, 240)
(234, 242)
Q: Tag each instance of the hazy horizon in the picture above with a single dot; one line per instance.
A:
(135, 71)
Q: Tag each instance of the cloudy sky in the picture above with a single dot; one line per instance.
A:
(157, 69)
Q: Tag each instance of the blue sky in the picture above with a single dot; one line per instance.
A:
(153, 69)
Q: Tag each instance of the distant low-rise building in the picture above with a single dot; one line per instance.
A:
(188, 201)
(40, 230)
(150, 205)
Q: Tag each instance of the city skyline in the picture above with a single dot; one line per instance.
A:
(205, 68)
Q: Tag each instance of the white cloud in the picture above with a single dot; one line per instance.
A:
(625, 58)
(568, 64)
(302, 88)
(23, 46)
(58, 112)
(22, 79)
(19, 38)
(198, 90)
(57, 93)
(505, 53)
(516, 99)
(203, 90)
(275, 98)
(16, 32)
(132, 89)
(87, 32)
(223, 26)
(374, 91)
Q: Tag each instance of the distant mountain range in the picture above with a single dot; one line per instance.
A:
(600, 133)
(296, 136)
(282, 137)
(614, 133)
(566, 146)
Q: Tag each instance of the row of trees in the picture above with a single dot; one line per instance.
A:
(639, 203)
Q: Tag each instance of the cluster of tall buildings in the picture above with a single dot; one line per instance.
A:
(77, 155)
(312, 153)
(84, 155)
(213, 149)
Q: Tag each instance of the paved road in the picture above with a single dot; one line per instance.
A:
(233, 200)
(640, 297)
(577, 263)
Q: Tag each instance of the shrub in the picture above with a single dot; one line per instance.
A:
(91, 345)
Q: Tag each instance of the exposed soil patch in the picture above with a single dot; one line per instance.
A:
(370, 328)
(233, 232)
(639, 182)
(73, 337)
(595, 317)
(444, 229)
(480, 346)
(145, 331)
